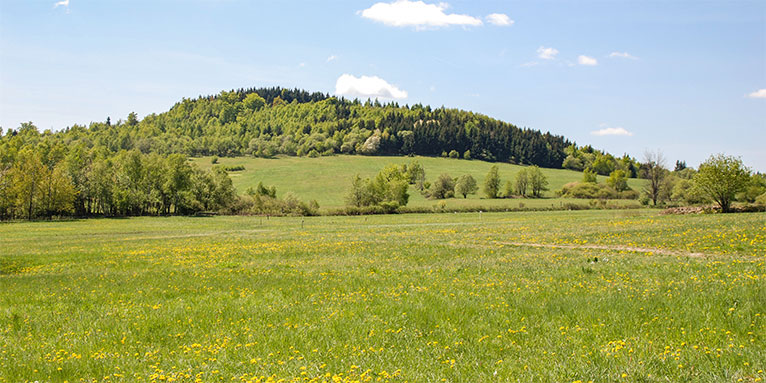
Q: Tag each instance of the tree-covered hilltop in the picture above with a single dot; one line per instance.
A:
(270, 121)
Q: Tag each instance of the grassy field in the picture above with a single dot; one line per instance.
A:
(328, 179)
(418, 298)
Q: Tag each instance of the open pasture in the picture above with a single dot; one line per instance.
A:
(328, 179)
(603, 296)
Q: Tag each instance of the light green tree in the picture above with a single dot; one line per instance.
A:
(466, 185)
(721, 177)
(492, 183)
(522, 181)
(618, 180)
(537, 181)
(589, 176)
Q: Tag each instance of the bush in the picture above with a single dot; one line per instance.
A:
(595, 191)
(761, 200)
(443, 187)
(235, 168)
(628, 194)
(214, 160)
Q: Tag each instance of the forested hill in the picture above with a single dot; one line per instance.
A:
(266, 122)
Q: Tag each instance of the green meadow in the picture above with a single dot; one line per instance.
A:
(601, 296)
(328, 179)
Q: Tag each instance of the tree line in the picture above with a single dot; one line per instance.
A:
(43, 177)
(271, 121)
(720, 179)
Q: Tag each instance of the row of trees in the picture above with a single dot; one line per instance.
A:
(50, 179)
(720, 179)
(389, 189)
(528, 182)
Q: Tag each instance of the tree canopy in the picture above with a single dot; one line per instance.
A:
(721, 177)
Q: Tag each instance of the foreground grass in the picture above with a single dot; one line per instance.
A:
(328, 179)
(452, 297)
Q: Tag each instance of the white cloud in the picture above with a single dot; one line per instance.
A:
(622, 55)
(760, 93)
(405, 13)
(618, 131)
(499, 19)
(63, 3)
(547, 53)
(367, 87)
(332, 58)
(586, 60)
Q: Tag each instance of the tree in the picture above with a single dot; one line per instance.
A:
(443, 187)
(492, 183)
(27, 176)
(416, 174)
(466, 185)
(389, 187)
(721, 177)
(360, 193)
(654, 171)
(589, 176)
(522, 181)
(57, 192)
(617, 180)
(537, 181)
(508, 189)
(254, 101)
(132, 119)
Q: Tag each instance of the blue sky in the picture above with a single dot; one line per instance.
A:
(684, 77)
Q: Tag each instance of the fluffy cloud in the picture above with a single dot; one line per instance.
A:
(622, 55)
(499, 19)
(618, 131)
(586, 60)
(366, 87)
(760, 93)
(405, 13)
(63, 3)
(547, 53)
(332, 58)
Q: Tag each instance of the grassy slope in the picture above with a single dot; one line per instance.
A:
(422, 297)
(327, 179)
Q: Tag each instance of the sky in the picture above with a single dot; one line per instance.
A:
(686, 78)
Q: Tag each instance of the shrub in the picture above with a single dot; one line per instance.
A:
(234, 168)
(761, 200)
(443, 187)
(595, 191)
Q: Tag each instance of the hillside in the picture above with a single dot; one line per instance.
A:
(274, 121)
(328, 179)
(137, 167)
